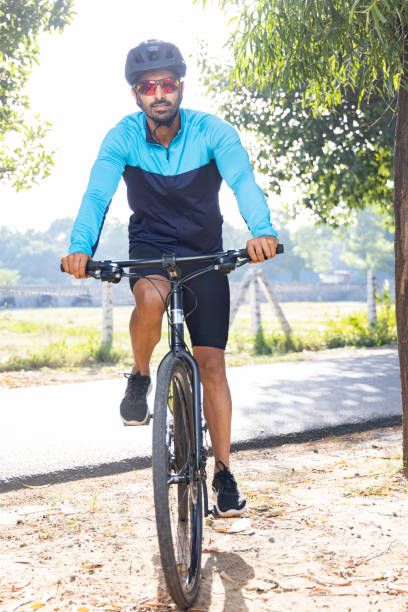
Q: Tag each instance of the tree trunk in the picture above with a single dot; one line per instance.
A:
(401, 252)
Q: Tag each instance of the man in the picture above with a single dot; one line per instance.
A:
(173, 161)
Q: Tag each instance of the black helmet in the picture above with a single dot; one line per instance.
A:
(153, 55)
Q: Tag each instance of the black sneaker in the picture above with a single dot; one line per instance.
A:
(229, 502)
(133, 408)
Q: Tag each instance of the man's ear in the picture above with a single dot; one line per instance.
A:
(136, 96)
(181, 90)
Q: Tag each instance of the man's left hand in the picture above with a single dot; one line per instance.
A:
(261, 248)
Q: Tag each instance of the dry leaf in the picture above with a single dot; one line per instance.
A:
(35, 606)
(328, 582)
(319, 591)
(221, 530)
(226, 577)
(402, 587)
(19, 588)
(211, 550)
(91, 565)
(240, 525)
(83, 609)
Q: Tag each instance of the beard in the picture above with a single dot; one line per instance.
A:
(163, 116)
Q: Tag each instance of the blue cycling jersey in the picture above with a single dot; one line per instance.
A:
(173, 192)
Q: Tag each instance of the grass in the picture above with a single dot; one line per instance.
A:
(70, 338)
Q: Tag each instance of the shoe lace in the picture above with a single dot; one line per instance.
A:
(228, 481)
(137, 385)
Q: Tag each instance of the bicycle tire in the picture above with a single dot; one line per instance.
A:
(178, 506)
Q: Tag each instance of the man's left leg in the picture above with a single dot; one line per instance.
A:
(217, 412)
(217, 400)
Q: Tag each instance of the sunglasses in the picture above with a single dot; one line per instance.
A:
(148, 88)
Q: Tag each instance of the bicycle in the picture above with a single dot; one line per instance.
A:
(179, 451)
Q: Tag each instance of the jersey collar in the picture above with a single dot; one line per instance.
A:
(149, 137)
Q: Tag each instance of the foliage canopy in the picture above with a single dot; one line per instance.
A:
(338, 161)
(329, 46)
(23, 157)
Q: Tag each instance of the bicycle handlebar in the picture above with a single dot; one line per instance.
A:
(221, 258)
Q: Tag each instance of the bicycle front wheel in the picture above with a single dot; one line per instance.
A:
(177, 488)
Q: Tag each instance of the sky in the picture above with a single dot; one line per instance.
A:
(79, 86)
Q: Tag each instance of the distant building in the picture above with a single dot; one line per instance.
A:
(335, 278)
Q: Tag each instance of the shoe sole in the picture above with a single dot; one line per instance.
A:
(137, 423)
(230, 513)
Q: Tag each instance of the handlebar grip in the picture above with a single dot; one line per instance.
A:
(93, 266)
(279, 251)
(90, 266)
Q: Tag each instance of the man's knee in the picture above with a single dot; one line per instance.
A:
(149, 302)
(211, 363)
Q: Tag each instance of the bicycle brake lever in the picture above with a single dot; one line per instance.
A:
(111, 276)
(242, 262)
(226, 264)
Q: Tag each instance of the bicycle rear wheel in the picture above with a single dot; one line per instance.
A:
(177, 488)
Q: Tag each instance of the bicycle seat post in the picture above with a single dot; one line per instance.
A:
(176, 303)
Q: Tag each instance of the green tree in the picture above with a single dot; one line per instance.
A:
(293, 263)
(23, 157)
(338, 160)
(8, 277)
(368, 244)
(35, 255)
(329, 47)
(314, 244)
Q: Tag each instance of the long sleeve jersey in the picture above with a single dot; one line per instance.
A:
(173, 192)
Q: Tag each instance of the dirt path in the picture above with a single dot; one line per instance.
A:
(327, 528)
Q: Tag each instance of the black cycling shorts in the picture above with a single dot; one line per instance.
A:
(208, 324)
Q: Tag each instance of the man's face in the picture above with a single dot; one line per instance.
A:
(161, 107)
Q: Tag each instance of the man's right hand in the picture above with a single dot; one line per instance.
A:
(75, 264)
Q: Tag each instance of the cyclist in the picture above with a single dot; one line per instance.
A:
(173, 161)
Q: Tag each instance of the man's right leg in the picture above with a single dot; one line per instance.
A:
(145, 331)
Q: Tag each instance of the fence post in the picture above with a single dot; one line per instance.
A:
(371, 301)
(254, 307)
(240, 298)
(107, 313)
(272, 299)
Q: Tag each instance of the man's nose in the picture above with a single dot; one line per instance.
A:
(158, 94)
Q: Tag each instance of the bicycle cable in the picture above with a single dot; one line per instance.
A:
(166, 301)
(180, 283)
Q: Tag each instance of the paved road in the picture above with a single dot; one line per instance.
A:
(63, 427)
